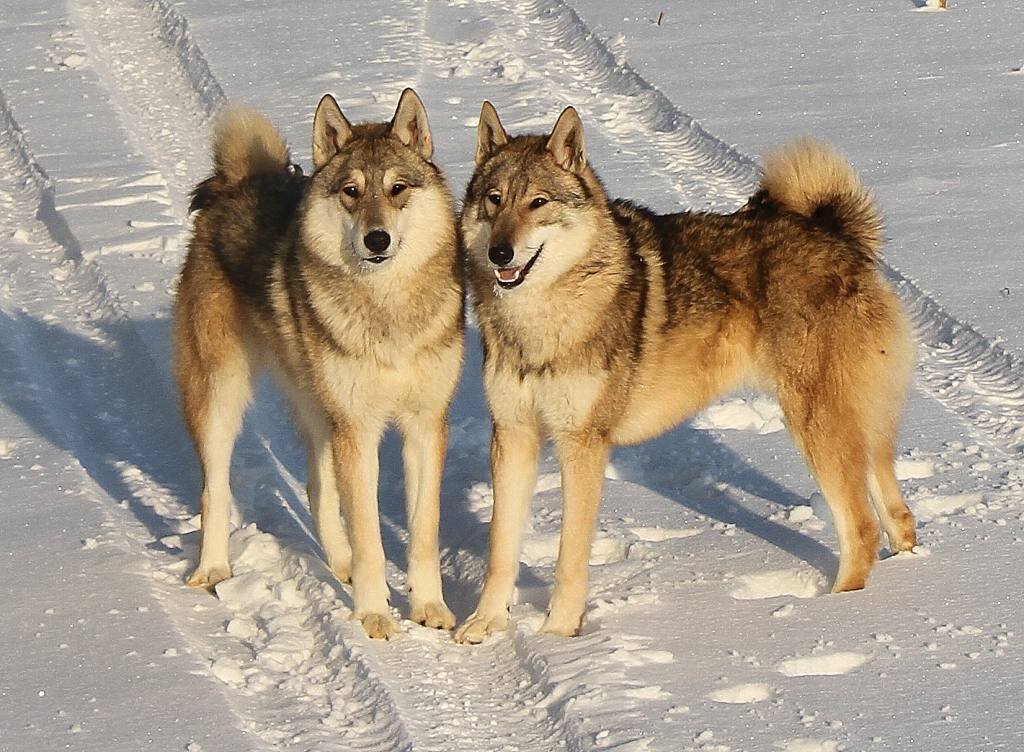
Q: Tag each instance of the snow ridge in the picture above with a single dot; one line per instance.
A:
(82, 351)
(158, 80)
(966, 371)
(174, 33)
(563, 46)
(41, 185)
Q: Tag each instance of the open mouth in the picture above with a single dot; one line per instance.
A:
(508, 277)
(376, 259)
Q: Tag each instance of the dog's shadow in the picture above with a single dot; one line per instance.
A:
(698, 465)
(109, 402)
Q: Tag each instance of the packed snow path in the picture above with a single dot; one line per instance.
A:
(294, 671)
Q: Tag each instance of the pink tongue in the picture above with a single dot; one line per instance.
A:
(509, 275)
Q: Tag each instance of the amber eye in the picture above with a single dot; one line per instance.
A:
(351, 191)
(494, 197)
(398, 188)
(538, 202)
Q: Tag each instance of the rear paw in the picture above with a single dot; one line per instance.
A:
(476, 628)
(848, 583)
(904, 540)
(562, 626)
(343, 572)
(208, 575)
(379, 626)
(433, 614)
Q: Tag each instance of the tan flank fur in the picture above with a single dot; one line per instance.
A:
(605, 324)
(346, 286)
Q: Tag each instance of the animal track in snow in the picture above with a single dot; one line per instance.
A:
(758, 415)
(826, 664)
(543, 549)
(804, 744)
(660, 534)
(741, 694)
(914, 469)
(930, 507)
(800, 583)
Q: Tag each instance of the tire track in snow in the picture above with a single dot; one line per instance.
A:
(73, 369)
(82, 313)
(964, 370)
(704, 170)
(290, 623)
(93, 382)
(159, 82)
(417, 705)
(365, 722)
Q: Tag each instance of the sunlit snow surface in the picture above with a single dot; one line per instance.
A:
(710, 625)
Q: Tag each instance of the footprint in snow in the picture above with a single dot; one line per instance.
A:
(661, 534)
(803, 744)
(799, 583)
(541, 549)
(741, 694)
(826, 664)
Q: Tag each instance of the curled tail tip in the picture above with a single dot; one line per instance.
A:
(802, 175)
(246, 143)
(813, 179)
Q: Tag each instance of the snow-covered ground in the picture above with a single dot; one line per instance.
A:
(709, 628)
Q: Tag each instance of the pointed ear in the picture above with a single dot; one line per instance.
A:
(330, 131)
(490, 134)
(566, 141)
(410, 126)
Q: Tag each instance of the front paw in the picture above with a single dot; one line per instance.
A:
(433, 614)
(208, 575)
(379, 626)
(478, 626)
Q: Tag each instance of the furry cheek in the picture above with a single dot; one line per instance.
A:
(564, 245)
(423, 223)
(326, 227)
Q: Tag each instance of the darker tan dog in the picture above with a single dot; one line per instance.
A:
(604, 324)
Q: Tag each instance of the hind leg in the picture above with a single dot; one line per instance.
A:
(220, 400)
(213, 368)
(845, 491)
(885, 494)
(832, 441)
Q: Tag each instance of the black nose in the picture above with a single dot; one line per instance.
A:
(501, 255)
(377, 240)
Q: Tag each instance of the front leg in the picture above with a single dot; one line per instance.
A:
(356, 465)
(423, 451)
(583, 462)
(514, 451)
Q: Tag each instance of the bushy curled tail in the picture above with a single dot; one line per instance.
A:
(812, 179)
(245, 144)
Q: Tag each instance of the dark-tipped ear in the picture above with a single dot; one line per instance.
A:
(330, 131)
(566, 141)
(410, 126)
(490, 134)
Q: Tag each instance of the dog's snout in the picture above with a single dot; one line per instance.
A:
(377, 241)
(501, 255)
